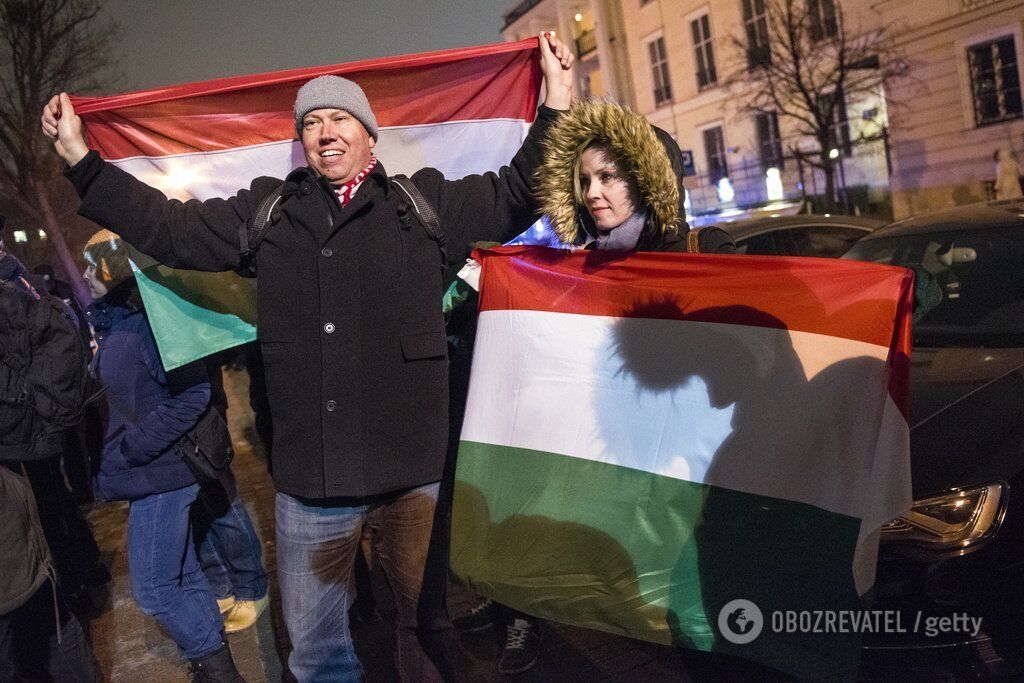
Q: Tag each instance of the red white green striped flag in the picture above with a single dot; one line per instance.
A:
(460, 111)
(649, 438)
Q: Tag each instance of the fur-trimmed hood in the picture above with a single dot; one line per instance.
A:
(635, 145)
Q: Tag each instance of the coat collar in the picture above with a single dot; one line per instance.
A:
(116, 305)
(293, 181)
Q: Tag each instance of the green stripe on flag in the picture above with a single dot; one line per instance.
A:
(621, 550)
(194, 314)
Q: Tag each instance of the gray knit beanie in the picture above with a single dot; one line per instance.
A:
(334, 92)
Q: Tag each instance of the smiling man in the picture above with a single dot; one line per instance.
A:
(352, 337)
(337, 128)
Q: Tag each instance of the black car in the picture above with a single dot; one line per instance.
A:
(960, 549)
(799, 235)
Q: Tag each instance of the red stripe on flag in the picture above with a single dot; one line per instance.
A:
(499, 81)
(846, 299)
(899, 351)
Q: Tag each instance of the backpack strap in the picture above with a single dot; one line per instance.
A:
(415, 202)
(252, 234)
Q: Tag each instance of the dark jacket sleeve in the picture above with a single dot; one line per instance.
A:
(714, 240)
(491, 206)
(188, 394)
(193, 234)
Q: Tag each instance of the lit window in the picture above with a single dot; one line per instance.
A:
(20, 236)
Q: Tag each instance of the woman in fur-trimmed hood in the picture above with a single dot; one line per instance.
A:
(612, 179)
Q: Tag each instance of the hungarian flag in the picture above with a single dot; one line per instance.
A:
(461, 111)
(685, 448)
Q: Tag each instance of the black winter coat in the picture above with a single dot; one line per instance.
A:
(349, 304)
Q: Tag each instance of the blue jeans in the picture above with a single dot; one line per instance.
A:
(167, 581)
(229, 549)
(316, 552)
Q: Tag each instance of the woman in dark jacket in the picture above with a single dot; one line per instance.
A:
(149, 411)
(611, 180)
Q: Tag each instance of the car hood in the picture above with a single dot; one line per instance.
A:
(967, 417)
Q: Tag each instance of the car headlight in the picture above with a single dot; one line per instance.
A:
(957, 519)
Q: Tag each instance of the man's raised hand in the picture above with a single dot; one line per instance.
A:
(556, 60)
(65, 128)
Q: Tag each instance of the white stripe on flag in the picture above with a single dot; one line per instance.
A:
(792, 437)
(457, 149)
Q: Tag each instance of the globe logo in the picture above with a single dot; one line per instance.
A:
(740, 621)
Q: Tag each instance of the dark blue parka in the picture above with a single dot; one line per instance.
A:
(148, 409)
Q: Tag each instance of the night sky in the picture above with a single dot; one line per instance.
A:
(164, 42)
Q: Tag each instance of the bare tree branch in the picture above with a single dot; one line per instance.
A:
(812, 66)
(46, 46)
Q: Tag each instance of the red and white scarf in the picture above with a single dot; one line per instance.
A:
(348, 190)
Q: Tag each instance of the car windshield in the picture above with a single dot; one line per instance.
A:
(969, 285)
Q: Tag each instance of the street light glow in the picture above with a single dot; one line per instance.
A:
(773, 185)
(726, 193)
(833, 154)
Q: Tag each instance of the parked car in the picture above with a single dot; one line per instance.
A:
(960, 549)
(799, 235)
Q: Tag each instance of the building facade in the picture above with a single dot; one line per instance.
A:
(963, 99)
(926, 144)
(670, 59)
(594, 28)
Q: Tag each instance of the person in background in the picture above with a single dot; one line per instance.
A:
(40, 637)
(228, 547)
(1007, 175)
(149, 410)
(72, 545)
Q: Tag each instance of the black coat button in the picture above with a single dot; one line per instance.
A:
(306, 189)
(327, 252)
(331, 405)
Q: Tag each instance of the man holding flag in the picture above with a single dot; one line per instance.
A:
(352, 338)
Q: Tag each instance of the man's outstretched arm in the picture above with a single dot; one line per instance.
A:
(192, 234)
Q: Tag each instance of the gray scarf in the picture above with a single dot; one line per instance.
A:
(624, 237)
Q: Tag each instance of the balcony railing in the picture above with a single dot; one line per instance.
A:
(799, 180)
(586, 43)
